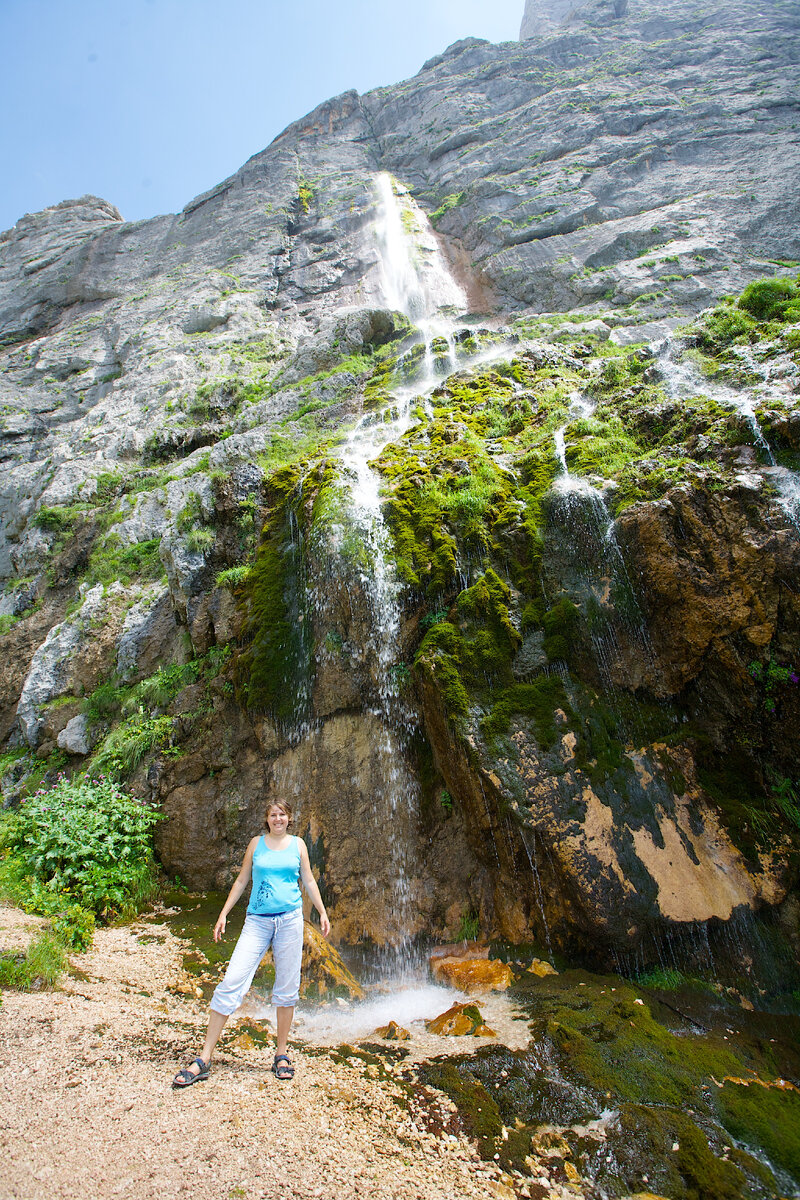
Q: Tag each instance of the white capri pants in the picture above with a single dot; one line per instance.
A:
(285, 934)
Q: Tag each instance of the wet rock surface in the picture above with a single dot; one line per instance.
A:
(460, 1020)
(472, 974)
(622, 1089)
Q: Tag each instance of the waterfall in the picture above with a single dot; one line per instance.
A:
(415, 281)
(580, 406)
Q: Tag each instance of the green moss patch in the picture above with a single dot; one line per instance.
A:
(765, 1119)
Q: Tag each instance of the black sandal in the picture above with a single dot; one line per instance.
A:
(285, 1071)
(185, 1077)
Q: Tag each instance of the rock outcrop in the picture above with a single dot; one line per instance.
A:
(579, 720)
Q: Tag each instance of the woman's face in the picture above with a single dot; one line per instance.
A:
(277, 820)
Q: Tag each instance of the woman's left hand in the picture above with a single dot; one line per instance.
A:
(325, 925)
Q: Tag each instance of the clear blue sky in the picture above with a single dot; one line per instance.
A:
(149, 102)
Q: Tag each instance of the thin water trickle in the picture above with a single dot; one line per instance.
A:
(580, 406)
(683, 380)
(534, 865)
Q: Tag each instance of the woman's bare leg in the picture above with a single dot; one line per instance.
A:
(216, 1024)
(285, 1017)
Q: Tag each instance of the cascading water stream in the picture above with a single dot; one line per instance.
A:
(580, 406)
(415, 279)
(416, 282)
(683, 380)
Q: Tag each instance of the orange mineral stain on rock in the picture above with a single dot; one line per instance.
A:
(323, 969)
(472, 974)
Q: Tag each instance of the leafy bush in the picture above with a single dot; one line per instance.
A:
(114, 561)
(85, 842)
(58, 518)
(233, 577)
(200, 540)
(103, 703)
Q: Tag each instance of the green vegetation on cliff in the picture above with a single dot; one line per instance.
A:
(530, 591)
(273, 670)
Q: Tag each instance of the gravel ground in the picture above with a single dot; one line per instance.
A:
(86, 1107)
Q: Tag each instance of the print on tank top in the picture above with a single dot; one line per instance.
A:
(264, 896)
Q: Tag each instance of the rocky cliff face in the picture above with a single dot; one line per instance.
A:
(543, 17)
(580, 721)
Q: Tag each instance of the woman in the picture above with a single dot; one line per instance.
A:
(276, 861)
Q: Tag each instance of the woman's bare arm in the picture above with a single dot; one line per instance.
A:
(239, 884)
(310, 884)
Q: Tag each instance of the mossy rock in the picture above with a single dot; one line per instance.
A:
(324, 974)
(478, 1110)
(764, 1118)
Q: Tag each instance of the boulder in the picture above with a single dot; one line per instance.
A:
(323, 972)
(541, 969)
(76, 736)
(392, 1032)
(472, 974)
(460, 1020)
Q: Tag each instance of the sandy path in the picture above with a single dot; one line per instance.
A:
(86, 1108)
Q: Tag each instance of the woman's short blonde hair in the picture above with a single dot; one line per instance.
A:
(283, 805)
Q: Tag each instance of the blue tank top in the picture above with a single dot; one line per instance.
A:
(276, 879)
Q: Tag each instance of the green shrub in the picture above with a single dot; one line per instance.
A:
(103, 703)
(159, 690)
(74, 925)
(233, 577)
(771, 299)
(58, 518)
(200, 540)
(85, 842)
(109, 483)
(113, 561)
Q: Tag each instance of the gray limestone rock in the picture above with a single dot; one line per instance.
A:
(49, 674)
(139, 627)
(76, 737)
(543, 16)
